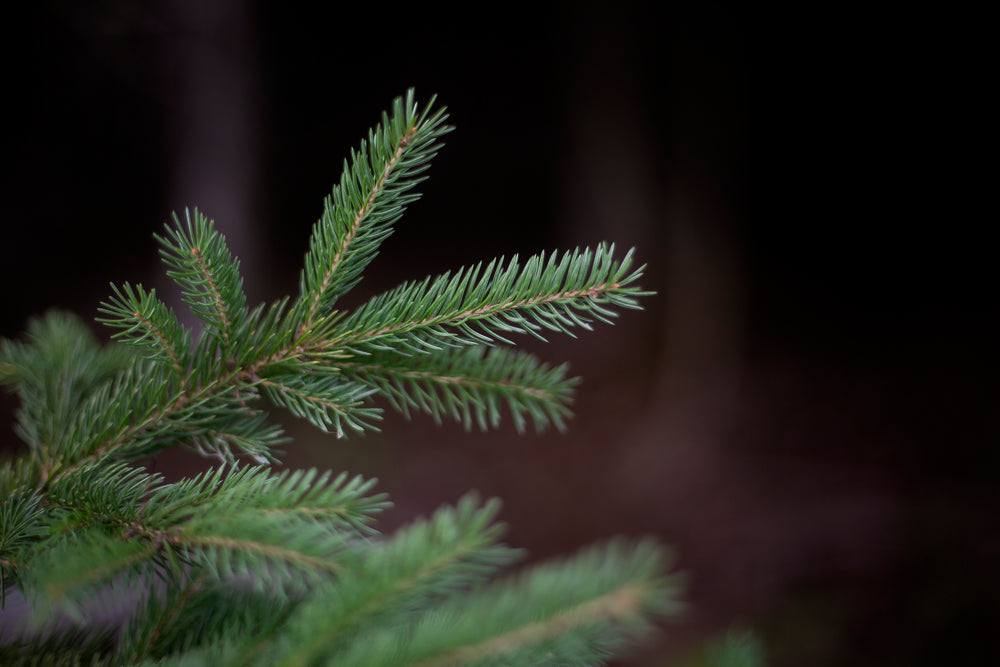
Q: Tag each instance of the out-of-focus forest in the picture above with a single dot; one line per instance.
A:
(804, 410)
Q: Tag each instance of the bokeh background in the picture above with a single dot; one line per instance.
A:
(804, 410)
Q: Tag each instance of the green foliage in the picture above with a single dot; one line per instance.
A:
(247, 565)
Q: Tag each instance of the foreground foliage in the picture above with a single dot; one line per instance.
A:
(244, 564)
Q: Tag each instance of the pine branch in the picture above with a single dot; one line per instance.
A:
(145, 631)
(245, 565)
(455, 549)
(227, 524)
(372, 195)
(297, 555)
(247, 434)
(21, 525)
(301, 360)
(558, 613)
(262, 336)
(342, 502)
(469, 308)
(146, 322)
(479, 305)
(195, 614)
(208, 274)
(68, 571)
(19, 475)
(53, 373)
(469, 384)
(324, 400)
(145, 409)
(111, 494)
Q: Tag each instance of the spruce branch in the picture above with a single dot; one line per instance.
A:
(372, 194)
(209, 276)
(139, 420)
(111, 494)
(21, 524)
(19, 475)
(226, 524)
(246, 565)
(53, 373)
(474, 306)
(450, 552)
(469, 385)
(145, 631)
(342, 502)
(477, 305)
(197, 613)
(68, 571)
(323, 400)
(146, 322)
(556, 613)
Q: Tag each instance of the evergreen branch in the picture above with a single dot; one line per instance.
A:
(8, 371)
(57, 345)
(455, 549)
(246, 565)
(262, 334)
(19, 475)
(146, 322)
(53, 372)
(469, 384)
(21, 525)
(79, 401)
(172, 504)
(233, 520)
(248, 434)
(14, 363)
(223, 522)
(618, 605)
(341, 503)
(143, 410)
(208, 274)
(324, 400)
(371, 196)
(229, 557)
(126, 416)
(296, 554)
(140, 413)
(482, 306)
(111, 494)
(195, 614)
(144, 631)
(69, 569)
(560, 613)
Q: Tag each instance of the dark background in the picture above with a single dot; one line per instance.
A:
(805, 410)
